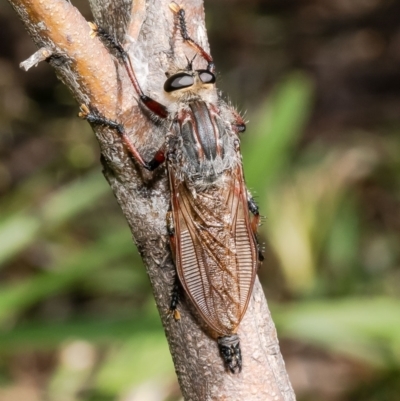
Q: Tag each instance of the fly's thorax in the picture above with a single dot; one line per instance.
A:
(202, 145)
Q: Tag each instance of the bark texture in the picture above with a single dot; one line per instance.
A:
(96, 78)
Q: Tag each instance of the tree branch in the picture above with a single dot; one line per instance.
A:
(95, 77)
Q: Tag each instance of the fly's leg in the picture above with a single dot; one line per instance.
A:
(152, 105)
(238, 122)
(93, 117)
(255, 222)
(180, 13)
(171, 232)
(229, 348)
(173, 306)
(156, 109)
(256, 214)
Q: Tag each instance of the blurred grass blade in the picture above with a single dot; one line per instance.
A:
(367, 329)
(74, 198)
(20, 230)
(17, 233)
(40, 335)
(143, 356)
(110, 248)
(278, 126)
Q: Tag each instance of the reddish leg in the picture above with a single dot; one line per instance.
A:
(256, 215)
(95, 118)
(157, 108)
(180, 13)
(255, 222)
(152, 105)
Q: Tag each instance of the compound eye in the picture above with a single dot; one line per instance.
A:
(206, 77)
(178, 81)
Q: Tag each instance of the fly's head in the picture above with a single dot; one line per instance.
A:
(189, 84)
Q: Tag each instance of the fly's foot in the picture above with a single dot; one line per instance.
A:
(174, 313)
(84, 111)
(109, 40)
(91, 116)
(229, 348)
(94, 117)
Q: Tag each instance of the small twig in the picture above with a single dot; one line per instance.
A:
(42, 54)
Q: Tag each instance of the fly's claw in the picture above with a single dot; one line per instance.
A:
(84, 112)
(94, 29)
(174, 313)
(175, 7)
(90, 116)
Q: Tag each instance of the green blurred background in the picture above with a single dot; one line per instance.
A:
(320, 80)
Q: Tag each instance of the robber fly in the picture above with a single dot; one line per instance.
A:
(213, 239)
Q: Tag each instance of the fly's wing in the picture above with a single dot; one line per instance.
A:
(216, 252)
